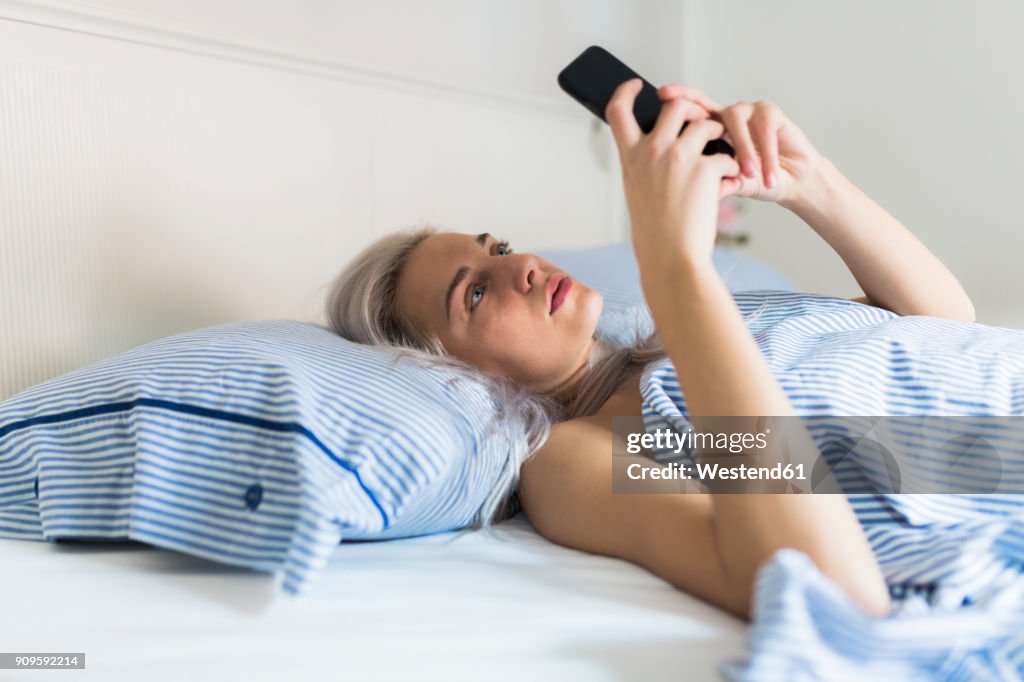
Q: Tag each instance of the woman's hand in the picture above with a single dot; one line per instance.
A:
(766, 143)
(672, 189)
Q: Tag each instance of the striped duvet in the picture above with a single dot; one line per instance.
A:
(954, 563)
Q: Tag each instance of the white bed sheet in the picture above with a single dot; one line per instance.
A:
(502, 604)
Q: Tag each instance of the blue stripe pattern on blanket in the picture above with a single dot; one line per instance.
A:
(954, 563)
(260, 444)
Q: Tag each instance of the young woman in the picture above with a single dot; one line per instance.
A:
(511, 315)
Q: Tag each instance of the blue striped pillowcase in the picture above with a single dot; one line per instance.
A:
(259, 444)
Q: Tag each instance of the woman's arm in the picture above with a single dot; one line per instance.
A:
(892, 266)
(721, 372)
(566, 492)
(780, 164)
(672, 191)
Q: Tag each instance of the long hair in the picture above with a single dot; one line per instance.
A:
(361, 306)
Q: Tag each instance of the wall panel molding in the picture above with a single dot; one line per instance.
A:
(87, 20)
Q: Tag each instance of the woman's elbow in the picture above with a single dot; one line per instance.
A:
(969, 314)
(959, 313)
(962, 312)
(872, 599)
(962, 315)
(867, 590)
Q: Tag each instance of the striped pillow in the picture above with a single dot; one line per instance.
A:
(259, 444)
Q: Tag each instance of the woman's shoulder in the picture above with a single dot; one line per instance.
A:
(580, 432)
(589, 424)
(595, 433)
(566, 441)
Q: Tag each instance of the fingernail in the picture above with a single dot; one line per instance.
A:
(748, 168)
(771, 180)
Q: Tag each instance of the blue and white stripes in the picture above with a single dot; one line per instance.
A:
(954, 563)
(259, 444)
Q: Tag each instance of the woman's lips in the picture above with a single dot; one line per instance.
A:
(561, 293)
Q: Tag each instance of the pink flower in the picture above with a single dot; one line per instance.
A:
(728, 217)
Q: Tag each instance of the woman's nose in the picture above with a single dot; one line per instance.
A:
(525, 272)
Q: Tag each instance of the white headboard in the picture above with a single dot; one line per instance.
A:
(153, 182)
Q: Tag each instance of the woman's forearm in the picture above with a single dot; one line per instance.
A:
(892, 266)
(721, 373)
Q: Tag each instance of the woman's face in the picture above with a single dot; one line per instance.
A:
(491, 307)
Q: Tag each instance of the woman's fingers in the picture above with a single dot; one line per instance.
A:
(736, 120)
(724, 165)
(673, 90)
(619, 114)
(766, 123)
(699, 133)
(729, 186)
(751, 128)
(671, 118)
(728, 169)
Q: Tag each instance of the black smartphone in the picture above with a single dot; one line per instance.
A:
(591, 80)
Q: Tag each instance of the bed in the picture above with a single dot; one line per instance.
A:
(159, 179)
(164, 182)
(504, 604)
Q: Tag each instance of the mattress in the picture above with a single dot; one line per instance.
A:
(496, 604)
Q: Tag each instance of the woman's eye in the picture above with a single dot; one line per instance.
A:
(477, 292)
(473, 298)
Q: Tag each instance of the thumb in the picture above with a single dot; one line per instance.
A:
(620, 117)
(729, 186)
(724, 165)
(728, 169)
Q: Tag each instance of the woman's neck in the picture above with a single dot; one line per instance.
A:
(624, 395)
(627, 401)
(567, 390)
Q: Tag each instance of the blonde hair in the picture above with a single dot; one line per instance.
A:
(361, 306)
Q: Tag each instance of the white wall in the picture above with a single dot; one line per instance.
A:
(495, 46)
(920, 103)
(166, 166)
(171, 165)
